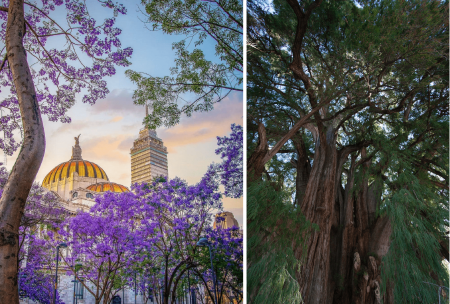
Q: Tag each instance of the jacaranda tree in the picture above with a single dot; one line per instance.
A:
(229, 172)
(49, 88)
(105, 241)
(227, 247)
(36, 280)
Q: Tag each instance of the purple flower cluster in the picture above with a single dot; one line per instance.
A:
(91, 52)
(230, 172)
(35, 278)
(36, 255)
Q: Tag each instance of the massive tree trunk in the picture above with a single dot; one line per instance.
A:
(318, 207)
(341, 260)
(361, 240)
(16, 190)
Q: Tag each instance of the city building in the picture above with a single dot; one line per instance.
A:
(77, 181)
(148, 156)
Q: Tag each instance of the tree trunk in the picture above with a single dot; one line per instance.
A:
(341, 261)
(318, 207)
(303, 167)
(362, 241)
(343, 258)
(16, 190)
(255, 165)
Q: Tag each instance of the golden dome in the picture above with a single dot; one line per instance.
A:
(82, 167)
(102, 187)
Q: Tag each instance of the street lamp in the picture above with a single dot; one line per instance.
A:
(75, 283)
(150, 292)
(204, 242)
(189, 289)
(192, 297)
(62, 245)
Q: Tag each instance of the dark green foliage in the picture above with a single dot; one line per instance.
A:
(419, 219)
(274, 226)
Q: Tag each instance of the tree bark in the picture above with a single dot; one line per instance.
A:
(303, 167)
(318, 208)
(256, 162)
(18, 186)
(342, 260)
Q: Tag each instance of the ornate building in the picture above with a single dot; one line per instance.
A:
(148, 157)
(76, 181)
(225, 220)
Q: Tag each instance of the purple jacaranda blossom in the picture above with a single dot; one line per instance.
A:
(107, 240)
(229, 173)
(90, 51)
(156, 224)
(36, 274)
(227, 247)
(36, 262)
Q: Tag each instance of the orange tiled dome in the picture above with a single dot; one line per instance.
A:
(82, 167)
(102, 187)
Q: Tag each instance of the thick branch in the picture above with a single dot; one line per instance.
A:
(292, 131)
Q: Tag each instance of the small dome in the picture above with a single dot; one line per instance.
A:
(103, 187)
(82, 167)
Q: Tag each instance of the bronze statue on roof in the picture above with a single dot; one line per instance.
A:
(77, 140)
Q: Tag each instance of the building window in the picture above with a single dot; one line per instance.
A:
(75, 194)
(89, 195)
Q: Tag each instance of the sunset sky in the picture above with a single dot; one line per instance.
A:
(109, 127)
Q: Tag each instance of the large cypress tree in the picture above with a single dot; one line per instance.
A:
(348, 125)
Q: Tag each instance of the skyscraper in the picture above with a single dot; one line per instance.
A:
(148, 157)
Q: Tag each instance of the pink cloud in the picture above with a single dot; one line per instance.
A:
(118, 101)
(204, 126)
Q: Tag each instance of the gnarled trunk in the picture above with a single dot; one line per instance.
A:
(362, 242)
(16, 190)
(318, 207)
(341, 260)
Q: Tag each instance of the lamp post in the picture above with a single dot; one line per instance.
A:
(189, 289)
(75, 284)
(62, 245)
(204, 242)
(24, 276)
(192, 297)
